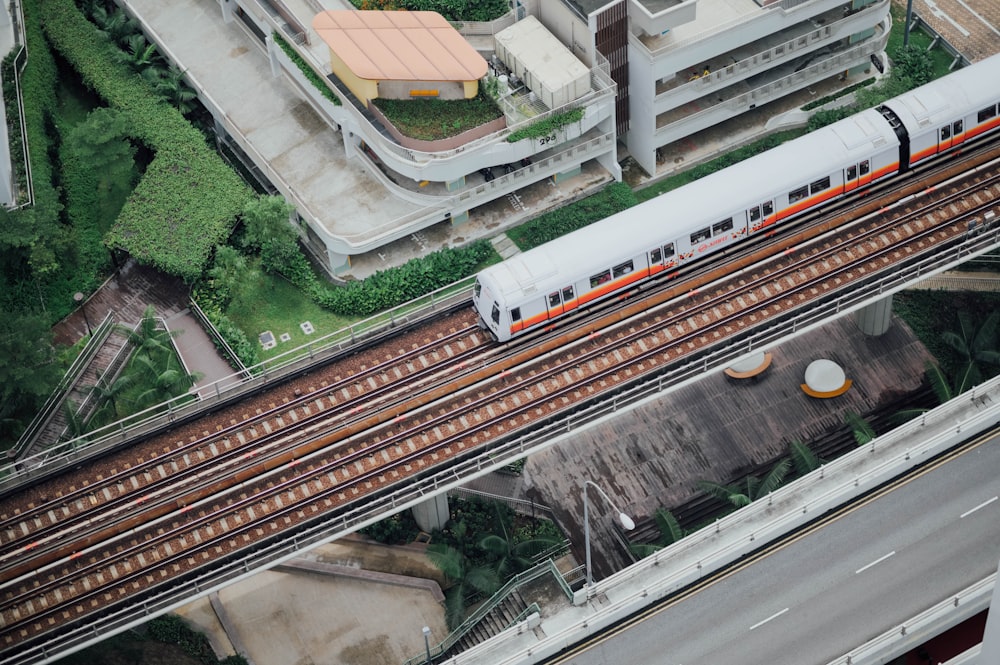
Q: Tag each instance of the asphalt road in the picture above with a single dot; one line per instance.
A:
(831, 590)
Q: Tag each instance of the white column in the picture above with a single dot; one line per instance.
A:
(876, 318)
(432, 513)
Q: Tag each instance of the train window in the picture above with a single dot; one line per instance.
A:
(820, 185)
(478, 289)
(567, 294)
(945, 133)
(554, 299)
(701, 235)
(722, 227)
(495, 314)
(668, 250)
(515, 314)
(956, 127)
(797, 195)
(768, 208)
(755, 213)
(852, 172)
(623, 269)
(600, 278)
(987, 113)
(864, 167)
(655, 256)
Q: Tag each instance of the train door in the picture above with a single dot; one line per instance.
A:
(555, 304)
(950, 135)
(655, 260)
(760, 216)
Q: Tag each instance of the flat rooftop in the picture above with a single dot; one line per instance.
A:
(402, 46)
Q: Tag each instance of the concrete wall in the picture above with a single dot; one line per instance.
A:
(363, 89)
(444, 89)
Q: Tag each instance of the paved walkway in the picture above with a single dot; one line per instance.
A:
(128, 293)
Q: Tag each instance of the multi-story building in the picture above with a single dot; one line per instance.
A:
(646, 72)
(682, 66)
(435, 181)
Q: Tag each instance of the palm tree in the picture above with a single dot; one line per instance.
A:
(464, 577)
(173, 89)
(862, 430)
(109, 407)
(670, 533)
(148, 338)
(138, 53)
(750, 488)
(974, 347)
(115, 24)
(165, 382)
(804, 460)
(512, 557)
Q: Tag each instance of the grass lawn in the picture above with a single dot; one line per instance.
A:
(272, 303)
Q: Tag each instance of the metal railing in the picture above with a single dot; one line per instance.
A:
(264, 373)
(542, 569)
(64, 387)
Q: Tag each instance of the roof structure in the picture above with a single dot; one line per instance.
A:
(399, 45)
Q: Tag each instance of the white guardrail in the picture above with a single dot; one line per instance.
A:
(748, 529)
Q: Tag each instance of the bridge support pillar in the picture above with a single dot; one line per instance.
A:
(876, 318)
(432, 513)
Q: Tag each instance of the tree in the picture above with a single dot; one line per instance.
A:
(166, 380)
(28, 369)
(229, 273)
(670, 533)
(101, 142)
(804, 460)
(862, 430)
(116, 24)
(750, 488)
(465, 579)
(512, 556)
(138, 53)
(172, 88)
(267, 228)
(148, 338)
(975, 348)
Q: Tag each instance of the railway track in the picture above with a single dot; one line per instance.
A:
(346, 436)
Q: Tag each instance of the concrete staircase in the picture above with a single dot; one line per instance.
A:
(501, 617)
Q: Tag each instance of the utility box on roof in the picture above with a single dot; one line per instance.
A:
(538, 58)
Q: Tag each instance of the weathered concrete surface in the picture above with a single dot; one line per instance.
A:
(717, 429)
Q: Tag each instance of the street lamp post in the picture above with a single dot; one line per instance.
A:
(625, 520)
(78, 299)
(427, 642)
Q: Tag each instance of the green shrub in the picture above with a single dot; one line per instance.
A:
(188, 200)
(546, 126)
(306, 70)
(548, 226)
(171, 629)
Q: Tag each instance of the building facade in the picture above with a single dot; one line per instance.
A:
(682, 66)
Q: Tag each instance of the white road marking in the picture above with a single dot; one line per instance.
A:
(982, 505)
(773, 616)
(876, 561)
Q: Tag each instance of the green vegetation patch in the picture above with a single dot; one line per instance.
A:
(614, 198)
(537, 130)
(306, 70)
(270, 302)
(189, 198)
(453, 10)
(433, 119)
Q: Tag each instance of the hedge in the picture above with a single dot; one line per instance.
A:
(188, 200)
(616, 197)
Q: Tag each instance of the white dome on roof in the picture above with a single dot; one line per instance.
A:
(824, 376)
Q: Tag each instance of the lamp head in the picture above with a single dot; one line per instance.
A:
(626, 521)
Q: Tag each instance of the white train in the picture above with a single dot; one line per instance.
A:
(746, 199)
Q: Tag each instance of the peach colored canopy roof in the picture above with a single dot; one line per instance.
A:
(400, 46)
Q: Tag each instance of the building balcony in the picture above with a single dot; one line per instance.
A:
(747, 94)
(787, 46)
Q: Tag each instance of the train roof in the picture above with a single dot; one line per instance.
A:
(689, 208)
(934, 104)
